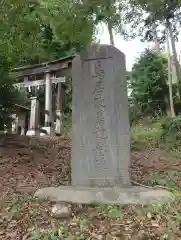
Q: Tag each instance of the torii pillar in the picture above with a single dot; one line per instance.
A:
(48, 106)
(59, 124)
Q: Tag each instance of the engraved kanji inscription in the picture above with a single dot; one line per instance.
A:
(100, 132)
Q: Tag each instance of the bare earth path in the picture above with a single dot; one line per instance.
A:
(26, 165)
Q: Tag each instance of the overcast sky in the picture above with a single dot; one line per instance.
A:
(131, 49)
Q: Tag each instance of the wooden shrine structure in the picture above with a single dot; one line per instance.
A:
(45, 75)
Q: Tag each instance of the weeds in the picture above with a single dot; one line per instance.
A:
(62, 231)
(164, 133)
(145, 137)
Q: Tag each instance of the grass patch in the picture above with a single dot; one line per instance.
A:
(164, 133)
(146, 137)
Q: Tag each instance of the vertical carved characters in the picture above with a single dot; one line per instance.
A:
(100, 122)
(100, 132)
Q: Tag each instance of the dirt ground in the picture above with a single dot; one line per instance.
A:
(28, 164)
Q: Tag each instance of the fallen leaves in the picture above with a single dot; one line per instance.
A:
(34, 164)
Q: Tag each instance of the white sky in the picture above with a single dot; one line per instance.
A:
(131, 49)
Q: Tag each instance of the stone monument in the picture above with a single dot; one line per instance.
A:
(101, 135)
(100, 119)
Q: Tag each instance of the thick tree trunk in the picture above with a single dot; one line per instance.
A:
(110, 30)
(175, 59)
(109, 4)
(172, 110)
(167, 105)
(155, 38)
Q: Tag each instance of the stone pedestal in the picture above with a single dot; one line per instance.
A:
(34, 118)
(18, 122)
(123, 196)
(22, 131)
(49, 131)
(14, 128)
(59, 123)
(100, 119)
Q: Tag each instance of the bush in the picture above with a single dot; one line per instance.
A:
(147, 81)
(171, 132)
(171, 126)
(164, 133)
(145, 136)
(9, 95)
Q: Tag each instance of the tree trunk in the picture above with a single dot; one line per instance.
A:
(167, 105)
(172, 110)
(175, 59)
(110, 30)
(109, 4)
(155, 38)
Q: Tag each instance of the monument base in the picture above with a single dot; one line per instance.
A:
(83, 195)
(32, 133)
(58, 124)
(48, 131)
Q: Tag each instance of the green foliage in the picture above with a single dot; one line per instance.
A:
(19, 29)
(40, 31)
(171, 125)
(164, 133)
(146, 136)
(9, 96)
(150, 15)
(68, 21)
(160, 9)
(148, 84)
(34, 31)
(49, 49)
(171, 132)
(170, 180)
(67, 96)
(104, 11)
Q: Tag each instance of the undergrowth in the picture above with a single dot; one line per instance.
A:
(114, 222)
(164, 133)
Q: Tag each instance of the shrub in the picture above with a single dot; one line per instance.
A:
(171, 132)
(144, 137)
(9, 95)
(171, 126)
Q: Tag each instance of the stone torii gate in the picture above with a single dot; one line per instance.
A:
(45, 74)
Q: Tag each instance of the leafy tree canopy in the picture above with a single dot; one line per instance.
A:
(151, 14)
(148, 83)
(9, 96)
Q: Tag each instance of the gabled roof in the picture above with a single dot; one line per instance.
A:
(61, 63)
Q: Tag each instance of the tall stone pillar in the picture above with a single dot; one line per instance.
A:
(48, 106)
(34, 118)
(100, 119)
(59, 124)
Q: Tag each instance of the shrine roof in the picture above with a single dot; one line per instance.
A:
(55, 65)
